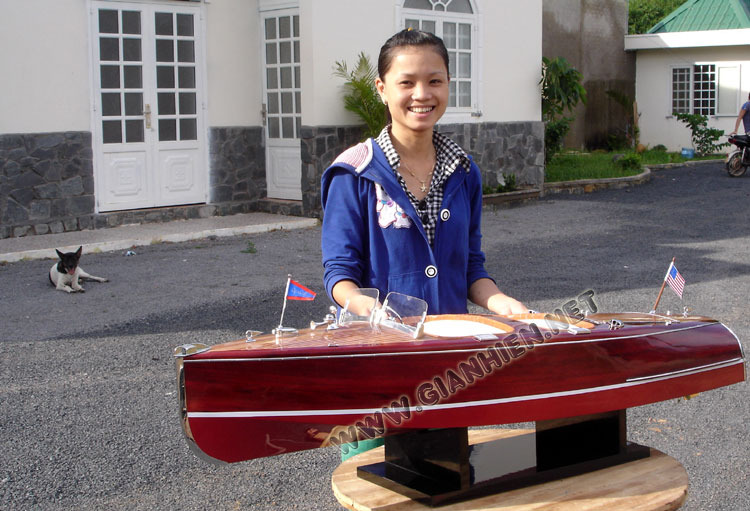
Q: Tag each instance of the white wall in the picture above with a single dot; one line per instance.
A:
(511, 50)
(44, 58)
(234, 69)
(512, 60)
(653, 91)
(331, 31)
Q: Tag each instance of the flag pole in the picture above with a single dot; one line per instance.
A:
(286, 293)
(664, 283)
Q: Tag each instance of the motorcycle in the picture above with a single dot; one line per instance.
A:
(739, 159)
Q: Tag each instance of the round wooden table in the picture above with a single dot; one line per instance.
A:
(657, 482)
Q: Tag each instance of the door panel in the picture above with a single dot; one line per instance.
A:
(148, 108)
(124, 179)
(179, 172)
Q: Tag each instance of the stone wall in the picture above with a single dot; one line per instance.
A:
(503, 148)
(238, 165)
(498, 148)
(46, 183)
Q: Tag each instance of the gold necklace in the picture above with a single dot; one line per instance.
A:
(422, 184)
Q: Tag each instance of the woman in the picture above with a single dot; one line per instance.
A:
(403, 211)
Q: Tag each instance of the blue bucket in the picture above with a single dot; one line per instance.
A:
(688, 153)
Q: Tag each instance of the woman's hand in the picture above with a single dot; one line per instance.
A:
(504, 305)
(485, 293)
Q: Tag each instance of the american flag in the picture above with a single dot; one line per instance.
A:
(675, 280)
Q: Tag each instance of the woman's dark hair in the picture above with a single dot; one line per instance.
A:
(408, 37)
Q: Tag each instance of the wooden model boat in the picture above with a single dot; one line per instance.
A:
(346, 380)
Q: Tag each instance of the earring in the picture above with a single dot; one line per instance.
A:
(385, 101)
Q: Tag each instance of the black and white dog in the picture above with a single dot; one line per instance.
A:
(66, 273)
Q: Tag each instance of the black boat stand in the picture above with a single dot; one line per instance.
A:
(438, 466)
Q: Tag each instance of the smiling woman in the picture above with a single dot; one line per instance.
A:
(402, 211)
(410, 188)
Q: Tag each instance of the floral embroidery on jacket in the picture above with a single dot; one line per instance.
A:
(390, 213)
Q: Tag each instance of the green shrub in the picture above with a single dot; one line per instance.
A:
(554, 134)
(360, 95)
(508, 185)
(630, 161)
(659, 148)
(561, 90)
(704, 138)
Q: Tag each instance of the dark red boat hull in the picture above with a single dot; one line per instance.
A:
(246, 400)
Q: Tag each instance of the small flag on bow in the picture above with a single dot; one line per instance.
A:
(675, 280)
(296, 291)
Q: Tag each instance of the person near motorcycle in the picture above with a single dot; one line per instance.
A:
(738, 160)
(743, 116)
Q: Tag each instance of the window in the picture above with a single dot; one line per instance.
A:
(283, 87)
(681, 90)
(704, 89)
(453, 21)
(694, 89)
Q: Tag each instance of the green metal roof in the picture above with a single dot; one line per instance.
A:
(706, 15)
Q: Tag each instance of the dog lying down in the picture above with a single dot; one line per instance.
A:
(66, 274)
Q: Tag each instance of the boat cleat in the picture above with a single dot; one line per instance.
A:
(250, 335)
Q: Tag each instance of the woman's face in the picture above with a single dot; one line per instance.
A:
(415, 88)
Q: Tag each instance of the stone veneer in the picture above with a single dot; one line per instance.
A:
(238, 165)
(498, 148)
(47, 182)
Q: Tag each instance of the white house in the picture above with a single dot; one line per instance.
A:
(696, 60)
(146, 110)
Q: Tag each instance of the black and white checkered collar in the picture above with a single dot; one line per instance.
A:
(447, 151)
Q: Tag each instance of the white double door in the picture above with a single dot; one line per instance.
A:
(149, 135)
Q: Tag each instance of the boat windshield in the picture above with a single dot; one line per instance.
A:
(399, 311)
(403, 312)
(360, 307)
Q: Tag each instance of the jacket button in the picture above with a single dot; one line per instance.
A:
(445, 214)
(431, 271)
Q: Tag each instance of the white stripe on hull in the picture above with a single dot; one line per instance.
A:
(489, 402)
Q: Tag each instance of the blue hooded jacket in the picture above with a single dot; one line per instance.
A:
(373, 236)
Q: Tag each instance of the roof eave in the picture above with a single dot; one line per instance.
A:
(697, 39)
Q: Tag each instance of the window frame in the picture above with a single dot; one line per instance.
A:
(689, 68)
(711, 107)
(693, 69)
(455, 114)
